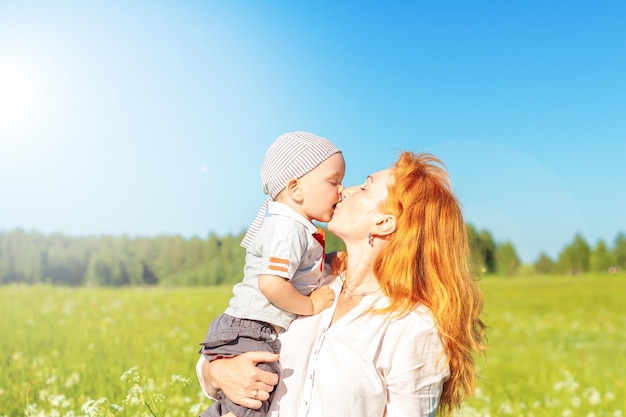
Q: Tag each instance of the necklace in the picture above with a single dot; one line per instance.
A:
(345, 282)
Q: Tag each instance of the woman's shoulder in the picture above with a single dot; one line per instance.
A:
(414, 335)
(419, 320)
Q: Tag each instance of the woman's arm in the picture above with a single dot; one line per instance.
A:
(238, 378)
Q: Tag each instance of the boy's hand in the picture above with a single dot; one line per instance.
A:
(322, 298)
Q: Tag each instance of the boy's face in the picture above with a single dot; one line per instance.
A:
(321, 188)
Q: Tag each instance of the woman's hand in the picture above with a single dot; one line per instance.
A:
(240, 379)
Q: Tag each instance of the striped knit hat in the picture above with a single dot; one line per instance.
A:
(292, 155)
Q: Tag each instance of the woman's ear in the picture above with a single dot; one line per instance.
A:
(293, 189)
(385, 225)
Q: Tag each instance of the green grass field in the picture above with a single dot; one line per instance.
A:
(557, 348)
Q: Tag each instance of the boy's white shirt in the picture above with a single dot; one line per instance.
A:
(288, 236)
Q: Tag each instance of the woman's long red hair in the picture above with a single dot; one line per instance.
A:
(427, 261)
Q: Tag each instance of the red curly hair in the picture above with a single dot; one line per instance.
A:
(427, 261)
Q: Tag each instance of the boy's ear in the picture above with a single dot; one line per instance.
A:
(293, 189)
(385, 224)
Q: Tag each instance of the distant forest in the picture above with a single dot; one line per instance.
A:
(58, 259)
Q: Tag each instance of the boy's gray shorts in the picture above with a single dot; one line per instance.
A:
(230, 336)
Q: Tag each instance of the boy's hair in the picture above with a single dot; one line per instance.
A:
(292, 155)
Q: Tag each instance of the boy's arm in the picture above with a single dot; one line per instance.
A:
(283, 295)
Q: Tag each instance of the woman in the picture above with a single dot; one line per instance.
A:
(400, 338)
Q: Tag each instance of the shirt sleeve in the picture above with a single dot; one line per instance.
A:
(417, 373)
(284, 243)
(200, 379)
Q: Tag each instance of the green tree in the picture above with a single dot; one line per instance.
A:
(506, 259)
(574, 259)
(99, 271)
(619, 251)
(65, 260)
(20, 257)
(107, 266)
(601, 259)
(545, 265)
(146, 250)
(147, 276)
(210, 267)
(131, 263)
(482, 248)
(233, 257)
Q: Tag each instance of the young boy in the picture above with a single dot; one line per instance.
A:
(302, 176)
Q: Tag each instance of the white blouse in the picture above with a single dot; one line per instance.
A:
(365, 364)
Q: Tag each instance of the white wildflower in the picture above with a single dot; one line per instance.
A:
(551, 402)
(56, 400)
(179, 380)
(149, 384)
(30, 410)
(196, 409)
(130, 375)
(506, 408)
(43, 394)
(593, 396)
(92, 407)
(72, 380)
(567, 384)
(134, 395)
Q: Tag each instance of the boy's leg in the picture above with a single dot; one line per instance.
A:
(230, 336)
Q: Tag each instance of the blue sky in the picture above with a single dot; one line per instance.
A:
(149, 118)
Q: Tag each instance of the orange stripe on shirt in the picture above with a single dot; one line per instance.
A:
(279, 261)
(277, 268)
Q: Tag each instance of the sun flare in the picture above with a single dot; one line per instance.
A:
(18, 97)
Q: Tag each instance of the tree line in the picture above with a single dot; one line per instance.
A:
(58, 259)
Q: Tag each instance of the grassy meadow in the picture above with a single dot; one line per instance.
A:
(557, 348)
